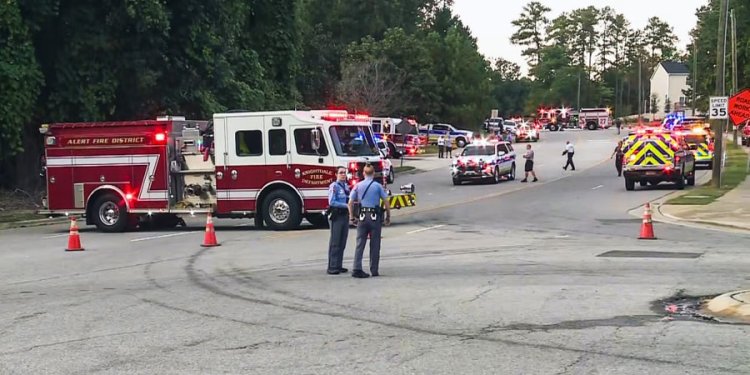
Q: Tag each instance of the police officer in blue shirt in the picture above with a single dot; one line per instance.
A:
(369, 220)
(338, 194)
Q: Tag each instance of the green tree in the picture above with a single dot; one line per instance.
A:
(660, 40)
(20, 80)
(530, 27)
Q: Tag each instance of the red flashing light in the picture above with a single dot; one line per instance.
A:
(362, 116)
(129, 196)
(353, 166)
(160, 137)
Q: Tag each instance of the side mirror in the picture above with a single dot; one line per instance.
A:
(315, 139)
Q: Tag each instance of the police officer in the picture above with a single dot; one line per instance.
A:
(441, 146)
(369, 220)
(338, 194)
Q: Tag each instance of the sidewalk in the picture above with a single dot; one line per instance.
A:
(731, 210)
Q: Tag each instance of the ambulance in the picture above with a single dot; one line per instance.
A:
(274, 167)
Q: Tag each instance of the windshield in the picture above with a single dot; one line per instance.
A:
(353, 141)
(695, 139)
(478, 151)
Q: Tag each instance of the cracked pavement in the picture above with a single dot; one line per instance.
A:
(510, 283)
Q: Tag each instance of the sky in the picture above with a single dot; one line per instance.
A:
(490, 20)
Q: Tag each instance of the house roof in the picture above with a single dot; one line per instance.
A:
(674, 67)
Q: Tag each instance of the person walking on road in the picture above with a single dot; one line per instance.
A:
(618, 154)
(569, 151)
(338, 195)
(448, 147)
(529, 167)
(618, 125)
(369, 220)
(441, 146)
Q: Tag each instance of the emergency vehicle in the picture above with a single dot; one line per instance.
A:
(399, 131)
(746, 135)
(271, 166)
(653, 155)
(594, 118)
(484, 160)
(701, 142)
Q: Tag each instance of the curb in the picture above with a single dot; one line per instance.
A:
(33, 223)
(731, 305)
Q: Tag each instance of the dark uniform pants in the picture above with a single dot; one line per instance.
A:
(337, 243)
(618, 165)
(569, 163)
(370, 225)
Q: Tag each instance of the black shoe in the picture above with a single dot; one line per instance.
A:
(524, 180)
(535, 179)
(360, 274)
(565, 168)
(334, 272)
(375, 273)
(343, 270)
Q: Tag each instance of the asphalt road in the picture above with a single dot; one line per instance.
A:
(480, 279)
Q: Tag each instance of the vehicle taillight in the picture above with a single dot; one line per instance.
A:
(711, 147)
(160, 137)
(353, 166)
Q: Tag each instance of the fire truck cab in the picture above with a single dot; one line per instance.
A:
(271, 166)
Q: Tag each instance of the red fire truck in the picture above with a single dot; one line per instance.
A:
(271, 166)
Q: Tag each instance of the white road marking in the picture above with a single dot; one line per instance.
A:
(425, 229)
(242, 225)
(56, 236)
(597, 187)
(162, 236)
(562, 236)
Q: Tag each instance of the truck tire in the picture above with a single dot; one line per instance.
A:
(456, 181)
(691, 180)
(110, 214)
(318, 220)
(282, 210)
(629, 184)
(460, 142)
(643, 183)
(391, 176)
(553, 128)
(512, 174)
(591, 125)
(496, 176)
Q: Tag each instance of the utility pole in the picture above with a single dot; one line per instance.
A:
(734, 67)
(640, 91)
(695, 74)
(717, 125)
(579, 93)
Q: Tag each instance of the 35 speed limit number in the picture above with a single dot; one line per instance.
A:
(718, 108)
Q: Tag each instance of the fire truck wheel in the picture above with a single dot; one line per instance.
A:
(456, 181)
(318, 220)
(110, 213)
(282, 210)
(591, 125)
(680, 183)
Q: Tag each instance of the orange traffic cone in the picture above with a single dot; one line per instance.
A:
(209, 240)
(647, 228)
(74, 240)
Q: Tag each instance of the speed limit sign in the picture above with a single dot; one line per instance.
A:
(718, 108)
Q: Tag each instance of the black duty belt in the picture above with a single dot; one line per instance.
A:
(369, 209)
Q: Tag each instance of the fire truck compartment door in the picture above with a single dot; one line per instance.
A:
(242, 162)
